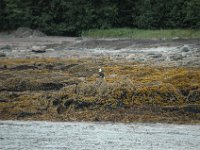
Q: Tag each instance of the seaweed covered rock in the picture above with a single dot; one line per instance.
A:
(19, 84)
(157, 94)
(194, 96)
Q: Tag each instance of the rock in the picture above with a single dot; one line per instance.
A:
(2, 55)
(7, 47)
(176, 57)
(24, 32)
(156, 56)
(185, 49)
(38, 49)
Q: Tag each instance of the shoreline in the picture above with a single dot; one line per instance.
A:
(58, 80)
(120, 115)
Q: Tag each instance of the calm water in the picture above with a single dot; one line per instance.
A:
(85, 136)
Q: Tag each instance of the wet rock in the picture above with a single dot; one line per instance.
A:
(176, 57)
(7, 47)
(192, 63)
(2, 55)
(38, 49)
(156, 56)
(185, 49)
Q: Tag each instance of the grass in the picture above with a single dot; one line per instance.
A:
(142, 34)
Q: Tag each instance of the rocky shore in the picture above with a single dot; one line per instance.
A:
(56, 78)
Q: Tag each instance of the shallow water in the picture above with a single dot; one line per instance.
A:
(77, 136)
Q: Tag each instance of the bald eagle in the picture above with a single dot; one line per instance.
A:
(101, 74)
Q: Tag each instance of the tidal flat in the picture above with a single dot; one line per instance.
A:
(57, 79)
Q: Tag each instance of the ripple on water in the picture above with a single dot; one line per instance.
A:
(66, 135)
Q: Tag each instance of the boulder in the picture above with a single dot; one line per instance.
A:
(2, 55)
(6, 47)
(38, 49)
(185, 49)
(24, 32)
(176, 57)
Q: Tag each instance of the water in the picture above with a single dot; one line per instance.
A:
(91, 136)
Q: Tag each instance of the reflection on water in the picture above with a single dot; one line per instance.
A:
(76, 136)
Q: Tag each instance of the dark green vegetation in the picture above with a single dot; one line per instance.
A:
(71, 90)
(71, 17)
(142, 34)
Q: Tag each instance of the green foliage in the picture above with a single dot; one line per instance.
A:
(71, 17)
(142, 33)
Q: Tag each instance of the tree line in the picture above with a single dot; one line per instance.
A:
(71, 17)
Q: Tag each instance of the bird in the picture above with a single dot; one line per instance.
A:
(101, 74)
